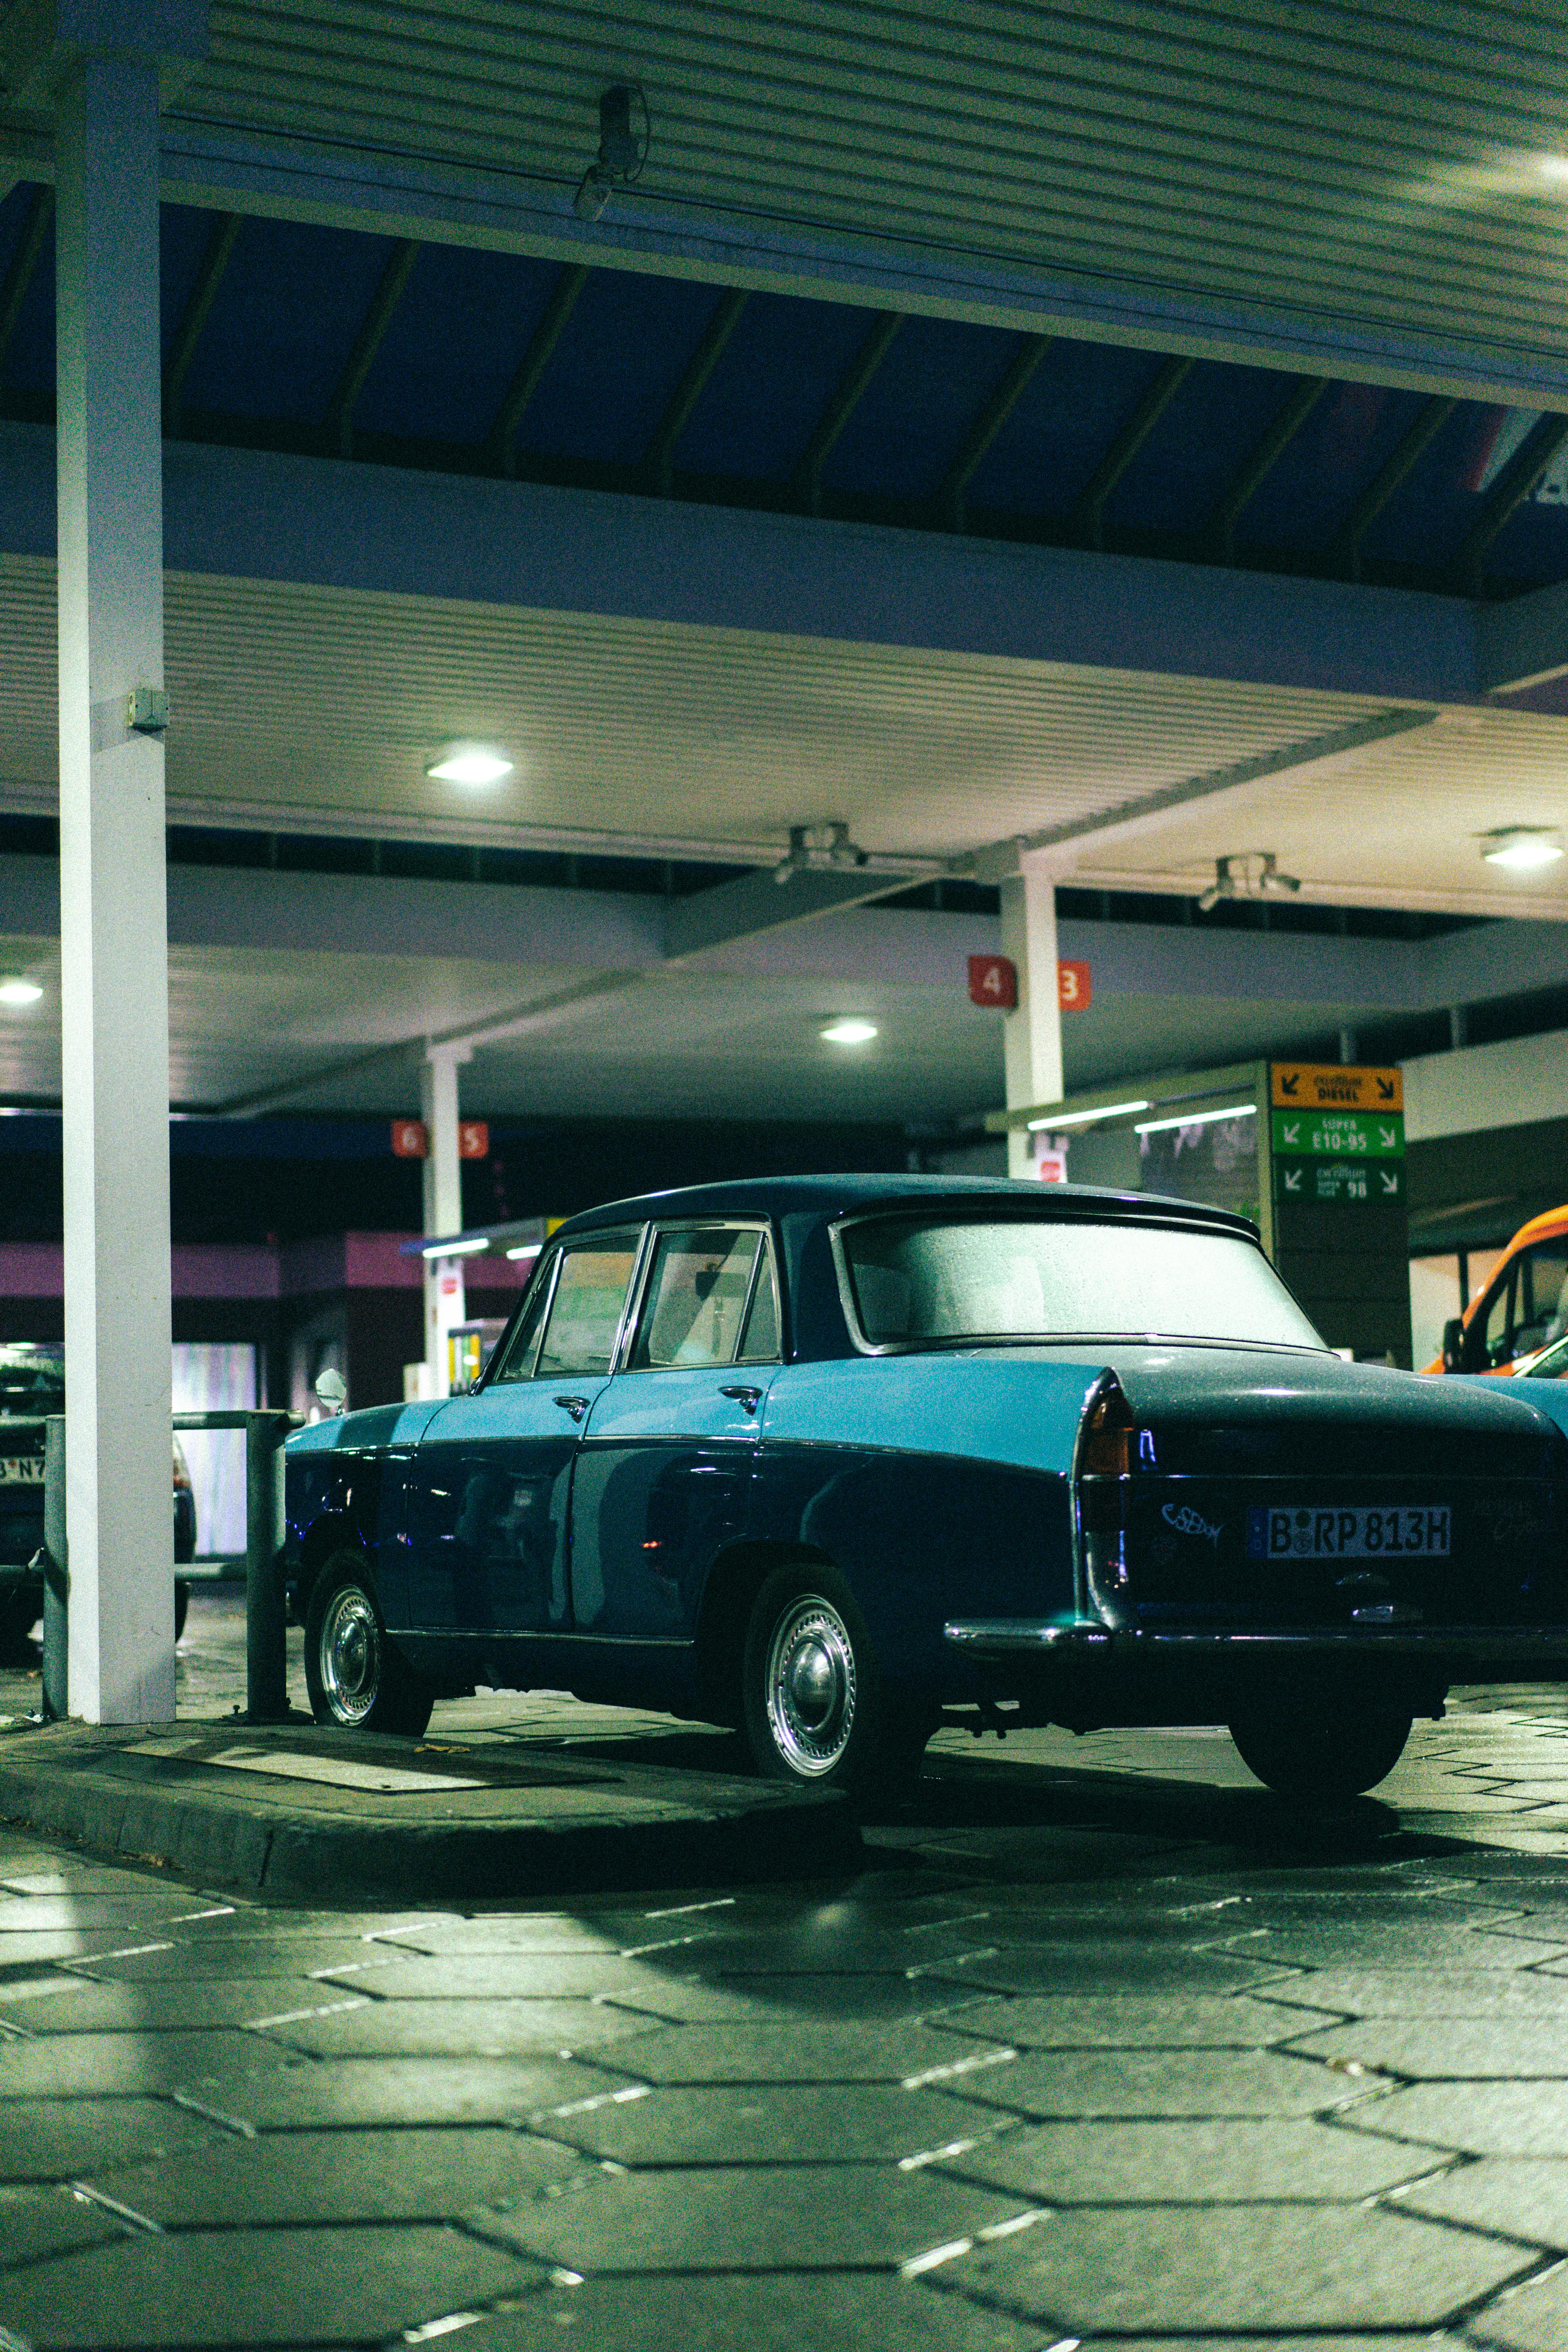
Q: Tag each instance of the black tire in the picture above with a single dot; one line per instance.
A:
(814, 1705)
(357, 1677)
(181, 1604)
(20, 1610)
(1324, 1755)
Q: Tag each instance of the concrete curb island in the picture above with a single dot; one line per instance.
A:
(295, 1809)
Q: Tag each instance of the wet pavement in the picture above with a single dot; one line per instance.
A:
(1096, 2044)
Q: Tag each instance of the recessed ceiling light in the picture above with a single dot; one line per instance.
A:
(850, 1032)
(1521, 847)
(469, 763)
(20, 991)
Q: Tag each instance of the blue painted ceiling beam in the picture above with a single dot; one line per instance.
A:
(313, 521)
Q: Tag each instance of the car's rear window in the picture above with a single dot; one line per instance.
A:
(931, 1281)
(31, 1383)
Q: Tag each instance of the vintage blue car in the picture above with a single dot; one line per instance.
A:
(837, 1459)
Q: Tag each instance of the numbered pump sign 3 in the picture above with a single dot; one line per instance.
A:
(993, 982)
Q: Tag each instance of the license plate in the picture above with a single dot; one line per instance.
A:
(21, 1470)
(1408, 1531)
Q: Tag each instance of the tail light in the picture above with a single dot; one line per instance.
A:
(1111, 1443)
(1110, 1446)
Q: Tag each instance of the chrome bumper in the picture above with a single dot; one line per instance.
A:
(1013, 1639)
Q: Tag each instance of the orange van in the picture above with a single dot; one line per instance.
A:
(1523, 1308)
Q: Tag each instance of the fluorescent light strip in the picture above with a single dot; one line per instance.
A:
(455, 1249)
(529, 1249)
(1196, 1117)
(1082, 1118)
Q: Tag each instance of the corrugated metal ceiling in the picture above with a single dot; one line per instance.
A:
(1386, 165)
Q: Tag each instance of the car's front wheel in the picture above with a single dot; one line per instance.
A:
(1322, 1755)
(356, 1678)
(814, 1705)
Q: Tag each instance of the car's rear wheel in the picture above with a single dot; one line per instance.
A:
(1321, 1754)
(356, 1678)
(814, 1705)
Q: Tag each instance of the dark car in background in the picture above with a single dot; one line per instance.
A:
(32, 1386)
(838, 1459)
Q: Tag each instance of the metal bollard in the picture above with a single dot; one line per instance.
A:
(57, 1580)
(265, 1651)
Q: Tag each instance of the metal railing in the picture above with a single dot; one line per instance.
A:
(266, 1655)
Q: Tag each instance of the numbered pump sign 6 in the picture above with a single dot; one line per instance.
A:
(993, 982)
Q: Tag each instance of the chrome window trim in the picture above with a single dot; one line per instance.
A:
(654, 1232)
(767, 1257)
(1022, 1215)
(495, 1373)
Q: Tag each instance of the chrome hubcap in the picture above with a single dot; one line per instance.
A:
(351, 1657)
(811, 1687)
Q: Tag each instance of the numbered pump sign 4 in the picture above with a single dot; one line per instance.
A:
(993, 982)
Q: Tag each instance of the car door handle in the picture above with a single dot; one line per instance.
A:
(575, 1405)
(751, 1397)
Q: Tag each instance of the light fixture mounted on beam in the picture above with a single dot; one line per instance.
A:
(820, 850)
(623, 149)
(17, 993)
(1248, 873)
(468, 764)
(1521, 848)
(849, 1032)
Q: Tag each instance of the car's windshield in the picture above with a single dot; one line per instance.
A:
(31, 1382)
(929, 1281)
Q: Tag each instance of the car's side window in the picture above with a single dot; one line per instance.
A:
(760, 1339)
(696, 1299)
(1497, 1322)
(586, 1311)
(518, 1362)
(1542, 1296)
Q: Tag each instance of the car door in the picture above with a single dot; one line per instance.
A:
(486, 1528)
(662, 1483)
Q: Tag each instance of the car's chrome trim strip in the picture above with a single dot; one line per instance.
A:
(1019, 1636)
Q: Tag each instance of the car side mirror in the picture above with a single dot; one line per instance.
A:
(332, 1390)
(1454, 1344)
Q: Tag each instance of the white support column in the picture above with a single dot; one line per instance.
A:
(114, 928)
(1032, 1037)
(444, 1305)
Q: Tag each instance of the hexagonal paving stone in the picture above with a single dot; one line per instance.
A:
(564, 1975)
(53, 2221)
(1087, 2082)
(429, 2175)
(122, 2064)
(1518, 2198)
(480, 2029)
(835, 2311)
(793, 2051)
(413, 2091)
(1478, 2118)
(55, 2139)
(1244, 2266)
(1533, 2320)
(259, 2286)
(1190, 2163)
(1426, 1992)
(75, 2004)
(1069, 1968)
(748, 2217)
(841, 2123)
(1445, 2047)
(1353, 1943)
(1125, 2022)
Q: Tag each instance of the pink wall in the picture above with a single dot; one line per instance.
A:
(258, 1270)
